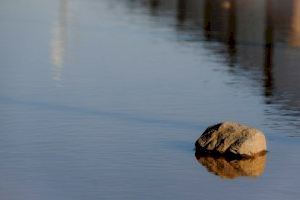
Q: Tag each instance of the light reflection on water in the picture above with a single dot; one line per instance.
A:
(259, 39)
(139, 81)
(58, 43)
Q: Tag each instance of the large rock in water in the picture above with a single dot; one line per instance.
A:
(234, 139)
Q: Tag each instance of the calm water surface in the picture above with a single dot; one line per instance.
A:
(103, 99)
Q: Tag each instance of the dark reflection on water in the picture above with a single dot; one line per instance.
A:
(233, 168)
(268, 62)
(259, 40)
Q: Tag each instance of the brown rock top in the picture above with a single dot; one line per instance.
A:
(231, 138)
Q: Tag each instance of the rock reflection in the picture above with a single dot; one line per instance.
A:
(228, 168)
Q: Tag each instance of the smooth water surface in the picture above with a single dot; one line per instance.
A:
(104, 99)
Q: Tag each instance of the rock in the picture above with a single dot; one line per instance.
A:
(230, 169)
(232, 139)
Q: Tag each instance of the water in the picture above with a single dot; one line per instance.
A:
(104, 99)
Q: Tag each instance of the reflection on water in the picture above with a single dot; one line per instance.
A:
(214, 29)
(257, 38)
(181, 12)
(294, 39)
(268, 62)
(58, 43)
(231, 169)
(231, 30)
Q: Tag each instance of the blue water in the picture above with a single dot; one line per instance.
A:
(104, 99)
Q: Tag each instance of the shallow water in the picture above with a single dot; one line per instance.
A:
(103, 99)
